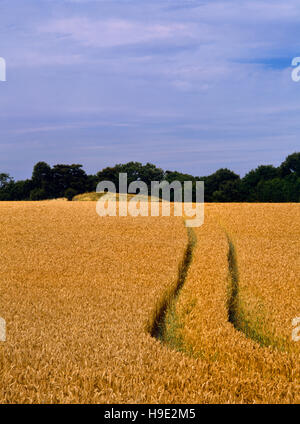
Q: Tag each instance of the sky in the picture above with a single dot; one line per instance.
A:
(188, 85)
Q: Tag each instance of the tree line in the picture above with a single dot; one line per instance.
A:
(266, 183)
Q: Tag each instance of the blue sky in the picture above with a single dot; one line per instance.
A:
(188, 85)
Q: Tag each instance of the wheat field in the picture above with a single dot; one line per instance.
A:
(82, 296)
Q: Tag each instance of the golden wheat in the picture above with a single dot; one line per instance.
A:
(267, 242)
(80, 295)
(242, 369)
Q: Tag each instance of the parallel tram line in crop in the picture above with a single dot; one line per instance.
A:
(77, 293)
(166, 322)
(251, 367)
(266, 239)
(236, 313)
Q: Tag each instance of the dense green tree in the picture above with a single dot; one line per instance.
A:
(150, 172)
(291, 165)
(20, 190)
(92, 181)
(292, 187)
(5, 179)
(171, 176)
(69, 176)
(215, 181)
(42, 178)
(230, 191)
(263, 184)
(38, 194)
(70, 193)
(135, 172)
(109, 174)
(272, 191)
(262, 172)
(42, 175)
(178, 176)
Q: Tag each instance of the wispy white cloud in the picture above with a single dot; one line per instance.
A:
(30, 59)
(70, 126)
(114, 32)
